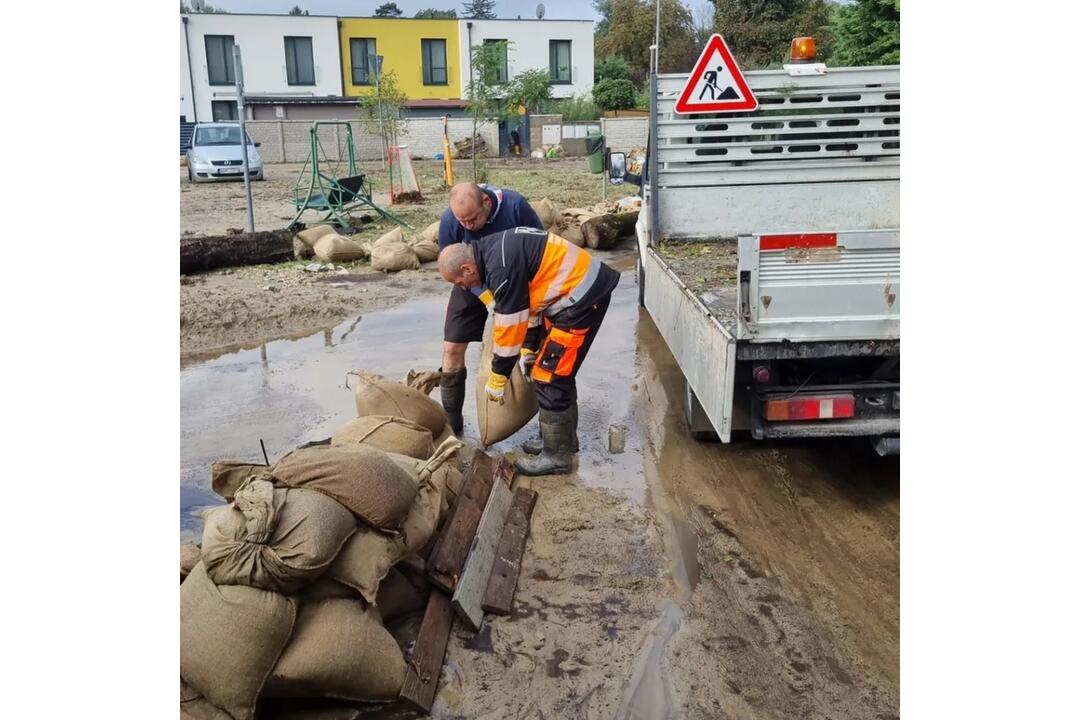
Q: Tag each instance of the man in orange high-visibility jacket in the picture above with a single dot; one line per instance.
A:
(549, 298)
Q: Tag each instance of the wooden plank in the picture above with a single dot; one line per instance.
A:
(447, 559)
(474, 578)
(425, 665)
(502, 584)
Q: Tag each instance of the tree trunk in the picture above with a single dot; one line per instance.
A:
(209, 253)
(602, 231)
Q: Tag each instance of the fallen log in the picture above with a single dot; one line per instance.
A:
(201, 254)
(602, 231)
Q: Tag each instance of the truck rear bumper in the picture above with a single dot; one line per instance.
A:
(855, 427)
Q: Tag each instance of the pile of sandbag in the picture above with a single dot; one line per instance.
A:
(391, 253)
(426, 243)
(324, 242)
(310, 582)
(598, 226)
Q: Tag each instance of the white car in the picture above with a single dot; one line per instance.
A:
(214, 154)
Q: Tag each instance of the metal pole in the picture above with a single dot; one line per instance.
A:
(238, 69)
(378, 98)
(653, 162)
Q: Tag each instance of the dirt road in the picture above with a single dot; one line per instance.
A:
(677, 579)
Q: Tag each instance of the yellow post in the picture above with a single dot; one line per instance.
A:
(448, 163)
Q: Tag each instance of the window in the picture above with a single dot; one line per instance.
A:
(219, 135)
(299, 63)
(559, 52)
(362, 52)
(223, 111)
(433, 53)
(219, 61)
(501, 75)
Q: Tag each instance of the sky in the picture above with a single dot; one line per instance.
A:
(554, 9)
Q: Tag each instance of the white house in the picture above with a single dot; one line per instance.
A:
(562, 47)
(284, 56)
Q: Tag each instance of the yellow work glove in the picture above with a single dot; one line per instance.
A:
(527, 360)
(496, 387)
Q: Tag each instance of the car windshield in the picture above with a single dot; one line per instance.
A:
(219, 136)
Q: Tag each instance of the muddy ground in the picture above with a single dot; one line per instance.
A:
(243, 306)
(677, 579)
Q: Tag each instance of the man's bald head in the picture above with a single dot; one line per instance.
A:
(457, 265)
(470, 205)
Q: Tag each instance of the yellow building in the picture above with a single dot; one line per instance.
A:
(423, 54)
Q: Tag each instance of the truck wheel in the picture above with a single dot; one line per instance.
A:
(640, 282)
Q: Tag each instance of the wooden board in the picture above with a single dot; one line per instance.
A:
(502, 583)
(474, 578)
(425, 665)
(447, 559)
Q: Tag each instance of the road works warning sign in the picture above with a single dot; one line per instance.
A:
(716, 84)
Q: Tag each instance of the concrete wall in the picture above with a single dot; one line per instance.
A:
(624, 134)
(287, 140)
(262, 41)
(528, 50)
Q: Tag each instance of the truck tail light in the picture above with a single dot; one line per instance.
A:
(811, 407)
(761, 374)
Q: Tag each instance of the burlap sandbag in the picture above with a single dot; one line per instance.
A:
(400, 594)
(431, 233)
(189, 558)
(375, 395)
(573, 234)
(368, 555)
(389, 433)
(448, 432)
(446, 476)
(312, 234)
(498, 422)
(193, 706)
(547, 213)
(230, 639)
(426, 250)
(340, 650)
(226, 476)
(423, 380)
(335, 248)
(363, 479)
(326, 589)
(393, 257)
(303, 536)
(397, 235)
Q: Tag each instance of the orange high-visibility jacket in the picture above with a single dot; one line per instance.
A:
(533, 274)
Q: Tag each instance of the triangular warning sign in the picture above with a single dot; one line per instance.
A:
(716, 84)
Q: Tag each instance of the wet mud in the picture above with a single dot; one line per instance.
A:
(674, 579)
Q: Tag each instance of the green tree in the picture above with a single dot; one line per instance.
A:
(603, 9)
(576, 109)
(486, 98)
(704, 17)
(866, 33)
(633, 28)
(382, 112)
(389, 9)
(530, 89)
(759, 32)
(614, 94)
(611, 68)
(479, 9)
(202, 8)
(431, 14)
(297, 11)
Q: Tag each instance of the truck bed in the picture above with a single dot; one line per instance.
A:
(709, 269)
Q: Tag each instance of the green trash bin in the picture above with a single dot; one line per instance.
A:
(594, 148)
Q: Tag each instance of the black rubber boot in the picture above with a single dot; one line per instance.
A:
(535, 444)
(452, 389)
(557, 457)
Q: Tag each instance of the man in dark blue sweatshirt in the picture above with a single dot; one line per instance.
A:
(475, 211)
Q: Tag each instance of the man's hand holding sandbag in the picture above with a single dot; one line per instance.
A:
(496, 387)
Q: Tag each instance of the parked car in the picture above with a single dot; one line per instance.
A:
(214, 154)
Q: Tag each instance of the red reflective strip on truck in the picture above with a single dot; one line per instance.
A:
(797, 240)
(820, 407)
